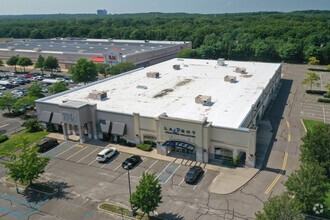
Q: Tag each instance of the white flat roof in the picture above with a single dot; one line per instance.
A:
(174, 91)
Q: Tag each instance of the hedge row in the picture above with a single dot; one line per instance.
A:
(324, 100)
(319, 92)
(145, 147)
(320, 70)
(3, 138)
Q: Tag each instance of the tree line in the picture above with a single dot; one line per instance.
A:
(291, 37)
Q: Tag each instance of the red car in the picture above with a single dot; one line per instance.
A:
(28, 76)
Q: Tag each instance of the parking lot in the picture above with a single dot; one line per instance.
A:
(316, 111)
(169, 173)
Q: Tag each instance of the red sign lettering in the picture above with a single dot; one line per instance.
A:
(112, 57)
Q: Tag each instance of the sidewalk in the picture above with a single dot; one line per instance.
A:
(228, 180)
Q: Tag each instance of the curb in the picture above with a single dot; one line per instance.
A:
(302, 122)
(24, 187)
(113, 213)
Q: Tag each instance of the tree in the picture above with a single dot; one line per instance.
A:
(1, 62)
(32, 125)
(121, 68)
(290, 52)
(147, 196)
(35, 90)
(103, 69)
(316, 147)
(26, 165)
(311, 79)
(280, 207)
(58, 87)
(313, 61)
(12, 61)
(309, 186)
(40, 63)
(187, 53)
(51, 63)
(328, 88)
(24, 104)
(7, 101)
(84, 72)
(24, 62)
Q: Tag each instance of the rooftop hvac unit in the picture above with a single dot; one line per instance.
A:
(240, 70)
(230, 78)
(153, 74)
(37, 49)
(82, 51)
(97, 95)
(203, 99)
(176, 66)
(141, 87)
(221, 61)
(11, 48)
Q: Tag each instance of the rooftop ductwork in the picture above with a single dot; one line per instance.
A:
(37, 49)
(202, 99)
(11, 48)
(231, 79)
(97, 95)
(221, 61)
(176, 66)
(152, 74)
(240, 70)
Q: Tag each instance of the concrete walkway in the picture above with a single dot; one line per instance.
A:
(228, 180)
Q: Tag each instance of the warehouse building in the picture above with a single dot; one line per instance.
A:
(69, 50)
(204, 108)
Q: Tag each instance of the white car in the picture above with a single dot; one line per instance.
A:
(106, 154)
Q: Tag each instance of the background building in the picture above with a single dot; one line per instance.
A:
(69, 50)
(203, 108)
(102, 12)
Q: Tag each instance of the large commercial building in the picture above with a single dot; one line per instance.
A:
(205, 108)
(69, 50)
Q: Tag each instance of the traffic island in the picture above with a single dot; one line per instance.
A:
(123, 212)
(38, 187)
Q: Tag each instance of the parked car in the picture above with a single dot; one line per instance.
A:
(193, 174)
(325, 95)
(49, 76)
(12, 74)
(28, 76)
(14, 83)
(1, 94)
(2, 88)
(24, 90)
(47, 144)
(130, 162)
(39, 78)
(45, 89)
(106, 154)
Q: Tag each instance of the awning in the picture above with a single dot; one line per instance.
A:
(105, 126)
(181, 144)
(57, 118)
(98, 60)
(45, 116)
(118, 128)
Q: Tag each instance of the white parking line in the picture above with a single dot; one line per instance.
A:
(181, 182)
(149, 167)
(75, 153)
(117, 167)
(103, 165)
(92, 162)
(4, 125)
(86, 156)
(200, 179)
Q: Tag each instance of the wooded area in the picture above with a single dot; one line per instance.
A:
(264, 36)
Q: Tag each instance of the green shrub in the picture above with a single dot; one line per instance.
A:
(319, 70)
(319, 92)
(236, 161)
(152, 143)
(145, 147)
(3, 138)
(324, 100)
(228, 163)
(32, 125)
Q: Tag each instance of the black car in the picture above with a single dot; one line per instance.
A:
(47, 144)
(193, 174)
(129, 163)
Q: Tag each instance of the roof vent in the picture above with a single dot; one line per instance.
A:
(11, 48)
(203, 99)
(240, 70)
(230, 78)
(221, 61)
(152, 74)
(176, 66)
(81, 51)
(37, 49)
(141, 87)
(97, 95)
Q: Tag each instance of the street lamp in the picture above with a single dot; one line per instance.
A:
(131, 212)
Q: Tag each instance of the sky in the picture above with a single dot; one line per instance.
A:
(17, 7)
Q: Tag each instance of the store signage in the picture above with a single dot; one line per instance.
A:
(111, 57)
(70, 117)
(180, 132)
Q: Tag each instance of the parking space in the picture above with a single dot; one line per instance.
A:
(58, 150)
(169, 173)
(316, 111)
(11, 204)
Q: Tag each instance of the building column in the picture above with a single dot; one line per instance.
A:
(89, 128)
(137, 133)
(94, 121)
(81, 134)
(251, 156)
(65, 131)
(74, 130)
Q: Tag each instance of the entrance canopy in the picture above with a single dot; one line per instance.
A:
(181, 144)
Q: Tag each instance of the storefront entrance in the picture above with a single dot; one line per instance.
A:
(181, 147)
(223, 154)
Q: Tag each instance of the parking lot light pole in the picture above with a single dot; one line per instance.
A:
(131, 212)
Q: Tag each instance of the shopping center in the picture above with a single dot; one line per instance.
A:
(205, 108)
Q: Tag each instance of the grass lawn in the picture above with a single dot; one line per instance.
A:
(15, 139)
(309, 124)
